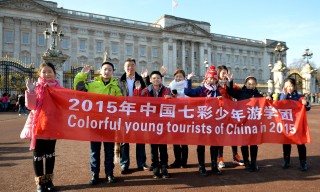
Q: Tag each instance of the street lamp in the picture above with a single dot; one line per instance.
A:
(279, 50)
(53, 51)
(307, 55)
(206, 64)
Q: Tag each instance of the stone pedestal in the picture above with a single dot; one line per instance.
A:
(57, 59)
(270, 86)
(279, 73)
(309, 74)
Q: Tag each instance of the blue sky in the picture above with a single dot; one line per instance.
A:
(294, 21)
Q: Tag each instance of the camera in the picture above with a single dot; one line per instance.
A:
(174, 92)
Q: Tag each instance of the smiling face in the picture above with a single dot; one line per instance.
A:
(179, 77)
(289, 87)
(47, 73)
(251, 84)
(155, 79)
(222, 74)
(130, 68)
(106, 72)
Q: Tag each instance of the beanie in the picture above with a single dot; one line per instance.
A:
(212, 73)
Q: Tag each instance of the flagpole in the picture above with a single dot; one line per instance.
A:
(171, 7)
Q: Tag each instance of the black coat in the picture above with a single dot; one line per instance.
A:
(243, 93)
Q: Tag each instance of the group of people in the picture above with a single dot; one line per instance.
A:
(12, 102)
(217, 83)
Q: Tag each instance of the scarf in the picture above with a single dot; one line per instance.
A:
(40, 85)
(209, 88)
(179, 86)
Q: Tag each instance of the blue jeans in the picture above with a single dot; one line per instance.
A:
(125, 157)
(22, 107)
(95, 148)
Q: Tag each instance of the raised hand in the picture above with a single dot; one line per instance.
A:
(229, 76)
(30, 85)
(137, 85)
(163, 70)
(144, 73)
(86, 69)
(190, 75)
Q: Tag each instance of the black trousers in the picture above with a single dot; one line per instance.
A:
(234, 151)
(45, 149)
(302, 151)
(201, 155)
(180, 154)
(253, 153)
(157, 149)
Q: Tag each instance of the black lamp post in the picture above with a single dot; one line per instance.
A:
(307, 55)
(53, 51)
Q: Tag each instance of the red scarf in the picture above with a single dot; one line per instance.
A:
(41, 84)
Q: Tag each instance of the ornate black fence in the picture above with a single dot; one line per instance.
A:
(13, 75)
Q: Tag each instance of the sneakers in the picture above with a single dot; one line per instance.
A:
(203, 171)
(156, 173)
(221, 163)
(144, 168)
(124, 170)
(237, 160)
(164, 172)
(111, 179)
(94, 179)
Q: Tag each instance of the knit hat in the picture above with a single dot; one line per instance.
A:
(212, 73)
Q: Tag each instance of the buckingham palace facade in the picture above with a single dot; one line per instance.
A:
(171, 41)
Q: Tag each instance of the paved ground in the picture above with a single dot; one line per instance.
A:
(72, 167)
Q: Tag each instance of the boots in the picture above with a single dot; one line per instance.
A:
(254, 167)
(215, 168)
(48, 182)
(286, 163)
(40, 183)
(304, 166)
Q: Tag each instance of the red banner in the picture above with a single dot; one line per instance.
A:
(76, 115)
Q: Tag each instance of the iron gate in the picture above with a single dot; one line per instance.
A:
(13, 75)
(300, 81)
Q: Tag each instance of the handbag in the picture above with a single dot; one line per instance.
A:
(26, 132)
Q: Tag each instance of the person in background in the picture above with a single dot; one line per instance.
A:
(43, 148)
(103, 84)
(290, 93)
(209, 88)
(177, 90)
(4, 100)
(156, 89)
(22, 106)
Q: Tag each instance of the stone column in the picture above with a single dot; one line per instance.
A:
(165, 52)
(202, 69)
(209, 55)
(192, 58)
(173, 67)
(1, 35)
(183, 54)
(17, 39)
(34, 38)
